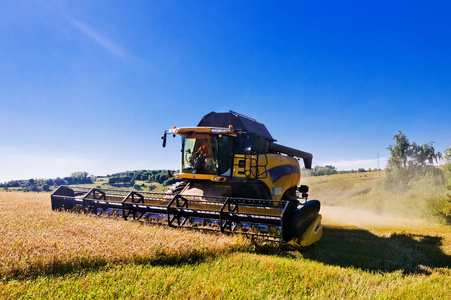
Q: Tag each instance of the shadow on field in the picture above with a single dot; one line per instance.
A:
(344, 247)
(349, 247)
(88, 263)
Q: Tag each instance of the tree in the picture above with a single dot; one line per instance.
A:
(409, 161)
(170, 181)
(440, 206)
(113, 180)
(447, 166)
(157, 177)
(321, 171)
(126, 179)
(81, 177)
(404, 155)
(13, 183)
(163, 178)
(398, 152)
(69, 180)
(59, 181)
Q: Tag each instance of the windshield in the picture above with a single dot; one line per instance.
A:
(206, 154)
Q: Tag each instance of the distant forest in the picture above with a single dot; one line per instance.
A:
(331, 170)
(127, 179)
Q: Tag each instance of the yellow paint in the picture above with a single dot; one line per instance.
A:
(257, 167)
(214, 178)
(310, 236)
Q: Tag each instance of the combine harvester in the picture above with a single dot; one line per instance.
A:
(234, 179)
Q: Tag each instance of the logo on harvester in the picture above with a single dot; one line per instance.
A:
(317, 227)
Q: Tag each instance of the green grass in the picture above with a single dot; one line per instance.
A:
(348, 263)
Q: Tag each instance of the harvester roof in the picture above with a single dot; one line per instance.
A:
(238, 121)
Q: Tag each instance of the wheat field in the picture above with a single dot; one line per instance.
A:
(37, 240)
(61, 255)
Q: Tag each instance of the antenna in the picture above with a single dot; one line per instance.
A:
(378, 161)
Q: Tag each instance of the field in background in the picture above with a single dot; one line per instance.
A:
(102, 182)
(339, 188)
(46, 254)
(365, 191)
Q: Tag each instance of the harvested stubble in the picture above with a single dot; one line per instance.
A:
(36, 240)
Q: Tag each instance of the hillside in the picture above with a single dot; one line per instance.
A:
(46, 254)
(365, 191)
(335, 189)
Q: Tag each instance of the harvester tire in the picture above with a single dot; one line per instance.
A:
(177, 187)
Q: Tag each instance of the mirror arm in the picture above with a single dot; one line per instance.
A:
(164, 137)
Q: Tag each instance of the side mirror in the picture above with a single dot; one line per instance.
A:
(303, 189)
(164, 138)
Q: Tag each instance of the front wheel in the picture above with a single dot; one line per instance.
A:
(177, 187)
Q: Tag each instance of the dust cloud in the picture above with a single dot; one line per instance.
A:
(341, 216)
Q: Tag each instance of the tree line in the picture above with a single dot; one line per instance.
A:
(122, 179)
(38, 185)
(331, 170)
(129, 178)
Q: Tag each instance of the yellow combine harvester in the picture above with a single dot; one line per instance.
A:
(234, 178)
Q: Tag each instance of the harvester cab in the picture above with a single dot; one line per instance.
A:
(233, 178)
(240, 155)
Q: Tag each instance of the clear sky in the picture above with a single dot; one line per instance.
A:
(92, 85)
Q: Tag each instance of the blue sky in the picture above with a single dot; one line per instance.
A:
(92, 85)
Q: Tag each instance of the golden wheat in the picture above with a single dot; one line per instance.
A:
(37, 240)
